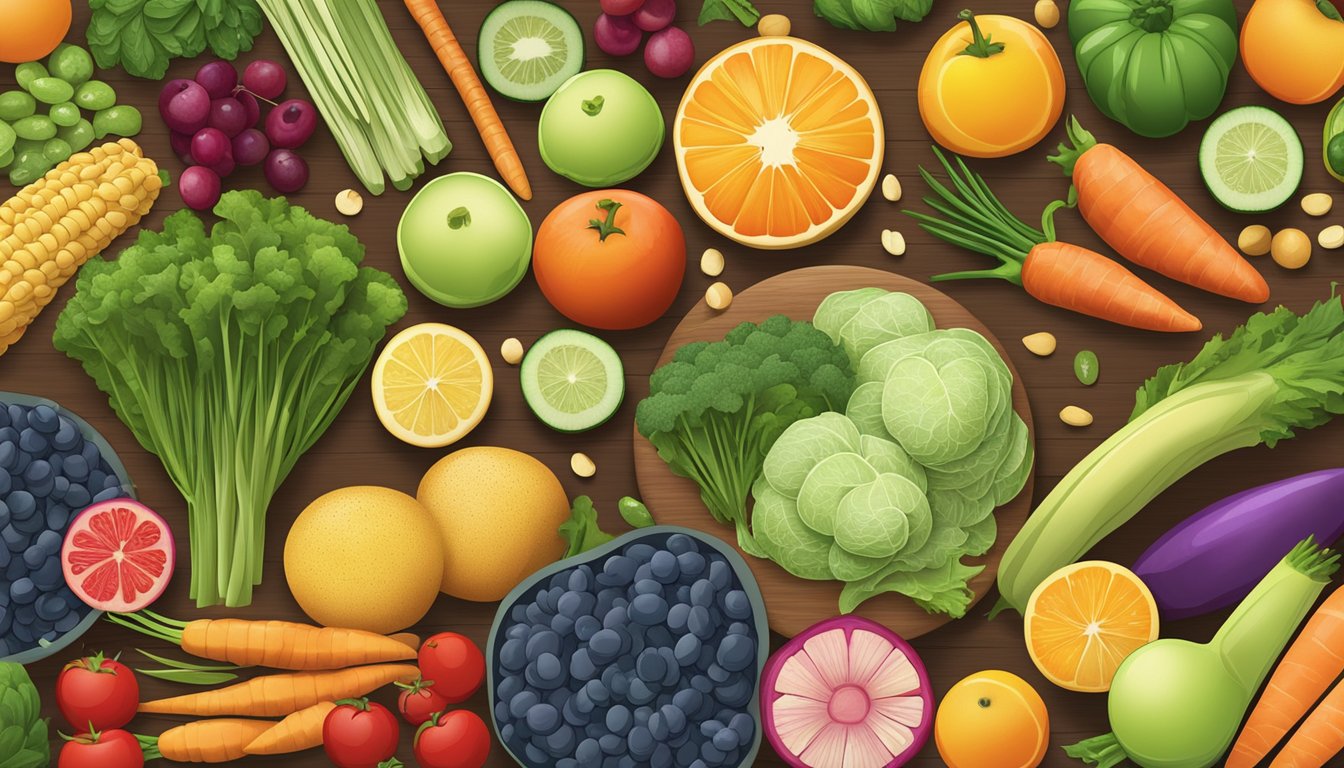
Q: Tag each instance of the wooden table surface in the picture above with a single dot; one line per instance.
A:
(356, 450)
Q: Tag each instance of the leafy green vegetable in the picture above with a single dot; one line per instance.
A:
(728, 10)
(228, 354)
(582, 530)
(144, 35)
(871, 15)
(23, 734)
(714, 411)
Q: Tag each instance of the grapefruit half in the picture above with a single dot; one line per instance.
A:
(118, 556)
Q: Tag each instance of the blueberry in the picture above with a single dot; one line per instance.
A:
(711, 754)
(664, 567)
(648, 587)
(68, 622)
(49, 541)
(671, 667)
(674, 716)
(550, 671)
(4, 414)
(620, 686)
(57, 517)
(517, 631)
(51, 607)
(16, 569)
(605, 644)
(96, 479)
(22, 632)
(6, 482)
(60, 485)
(725, 740)
(640, 692)
(6, 620)
(597, 691)
(543, 719)
(702, 593)
(718, 674)
(661, 757)
(617, 571)
(18, 416)
(691, 564)
(611, 744)
(92, 454)
(33, 525)
(512, 654)
(734, 694)
(502, 711)
(77, 496)
(619, 719)
(702, 684)
(745, 726)
(688, 754)
(6, 557)
(563, 626)
(578, 580)
(581, 666)
(585, 627)
(720, 575)
(615, 617)
(75, 467)
(570, 604)
(640, 552)
(658, 727)
(506, 733)
(535, 755)
(518, 613)
(561, 742)
(687, 699)
(626, 664)
(23, 591)
(39, 479)
(21, 505)
(43, 419)
(648, 609)
(700, 623)
(683, 593)
(657, 636)
(24, 614)
(626, 761)
(34, 443)
(67, 437)
(541, 642)
(521, 703)
(679, 543)
(643, 572)
(108, 494)
(34, 556)
(739, 628)
(641, 742)
(587, 751)
(736, 604)
(676, 617)
(9, 454)
(736, 652)
(15, 540)
(508, 686)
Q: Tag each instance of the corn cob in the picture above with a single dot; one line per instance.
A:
(52, 226)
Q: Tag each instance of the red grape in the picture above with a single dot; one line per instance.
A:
(181, 144)
(199, 187)
(617, 35)
(209, 146)
(290, 123)
(620, 7)
(655, 15)
(228, 115)
(225, 167)
(264, 78)
(218, 78)
(250, 106)
(669, 52)
(250, 147)
(286, 171)
(184, 106)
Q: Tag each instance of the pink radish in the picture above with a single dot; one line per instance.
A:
(846, 693)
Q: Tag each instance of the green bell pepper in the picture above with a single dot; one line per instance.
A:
(1154, 65)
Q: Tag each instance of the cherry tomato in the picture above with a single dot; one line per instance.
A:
(96, 694)
(101, 749)
(454, 664)
(359, 734)
(457, 739)
(420, 700)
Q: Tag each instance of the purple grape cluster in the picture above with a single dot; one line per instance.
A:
(621, 27)
(216, 125)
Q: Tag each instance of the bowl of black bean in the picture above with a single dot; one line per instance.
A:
(645, 651)
(53, 464)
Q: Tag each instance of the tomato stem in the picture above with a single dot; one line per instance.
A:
(606, 226)
(459, 217)
(362, 704)
(593, 107)
(1153, 15)
(982, 47)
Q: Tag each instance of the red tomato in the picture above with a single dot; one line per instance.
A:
(610, 259)
(359, 734)
(419, 700)
(96, 694)
(453, 664)
(457, 739)
(104, 749)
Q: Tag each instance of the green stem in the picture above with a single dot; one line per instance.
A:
(1103, 751)
(981, 47)
(1080, 141)
(1011, 271)
(1153, 15)
(606, 226)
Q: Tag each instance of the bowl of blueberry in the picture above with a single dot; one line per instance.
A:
(645, 651)
(53, 464)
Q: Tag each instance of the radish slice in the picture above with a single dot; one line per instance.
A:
(847, 693)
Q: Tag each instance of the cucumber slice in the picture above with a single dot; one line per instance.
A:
(528, 48)
(573, 381)
(1332, 143)
(1251, 159)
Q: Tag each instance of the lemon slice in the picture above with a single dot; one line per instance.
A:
(432, 385)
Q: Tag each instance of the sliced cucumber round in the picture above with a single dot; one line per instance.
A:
(1251, 159)
(573, 381)
(527, 48)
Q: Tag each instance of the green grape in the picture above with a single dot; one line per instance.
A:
(57, 150)
(79, 136)
(51, 90)
(71, 63)
(95, 95)
(16, 105)
(65, 114)
(35, 127)
(7, 137)
(121, 120)
(25, 74)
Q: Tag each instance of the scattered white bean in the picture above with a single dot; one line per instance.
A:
(1291, 248)
(1331, 237)
(719, 296)
(711, 262)
(1317, 204)
(1047, 13)
(1040, 344)
(1075, 416)
(891, 187)
(582, 465)
(894, 242)
(349, 202)
(512, 351)
(774, 25)
(1255, 239)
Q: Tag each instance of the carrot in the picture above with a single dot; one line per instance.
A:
(298, 731)
(408, 639)
(1320, 738)
(274, 644)
(1313, 662)
(459, 69)
(1145, 222)
(283, 694)
(1061, 274)
(205, 741)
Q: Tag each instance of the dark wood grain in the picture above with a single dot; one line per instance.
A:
(794, 604)
(356, 450)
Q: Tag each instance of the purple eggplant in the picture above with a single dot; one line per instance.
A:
(1214, 558)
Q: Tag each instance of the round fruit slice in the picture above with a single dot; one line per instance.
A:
(1084, 620)
(778, 142)
(118, 556)
(432, 385)
(527, 48)
(1251, 159)
(847, 692)
(573, 381)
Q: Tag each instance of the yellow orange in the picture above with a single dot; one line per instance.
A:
(778, 142)
(1084, 620)
(992, 719)
(432, 385)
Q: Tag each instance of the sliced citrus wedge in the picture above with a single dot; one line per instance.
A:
(1084, 620)
(432, 385)
(778, 142)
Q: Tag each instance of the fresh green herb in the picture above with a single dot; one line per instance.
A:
(23, 732)
(142, 36)
(1085, 367)
(714, 411)
(183, 665)
(871, 15)
(729, 10)
(228, 353)
(582, 530)
(188, 676)
(1278, 373)
(634, 512)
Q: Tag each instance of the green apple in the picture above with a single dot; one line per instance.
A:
(464, 240)
(601, 128)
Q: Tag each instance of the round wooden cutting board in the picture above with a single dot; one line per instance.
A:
(793, 604)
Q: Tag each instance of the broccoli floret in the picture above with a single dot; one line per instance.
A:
(714, 411)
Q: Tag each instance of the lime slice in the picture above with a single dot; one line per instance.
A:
(1251, 159)
(1332, 144)
(528, 48)
(573, 381)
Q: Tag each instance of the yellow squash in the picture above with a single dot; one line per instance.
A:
(991, 86)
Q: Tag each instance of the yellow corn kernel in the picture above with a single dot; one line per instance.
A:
(129, 202)
(90, 171)
(116, 220)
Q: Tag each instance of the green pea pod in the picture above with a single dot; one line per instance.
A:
(16, 105)
(71, 63)
(121, 120)
(634, 512)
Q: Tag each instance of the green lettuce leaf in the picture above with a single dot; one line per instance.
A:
(871, 15)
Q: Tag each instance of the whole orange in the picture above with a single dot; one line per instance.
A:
(32, 28)
(610, 259)
(992, 719)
